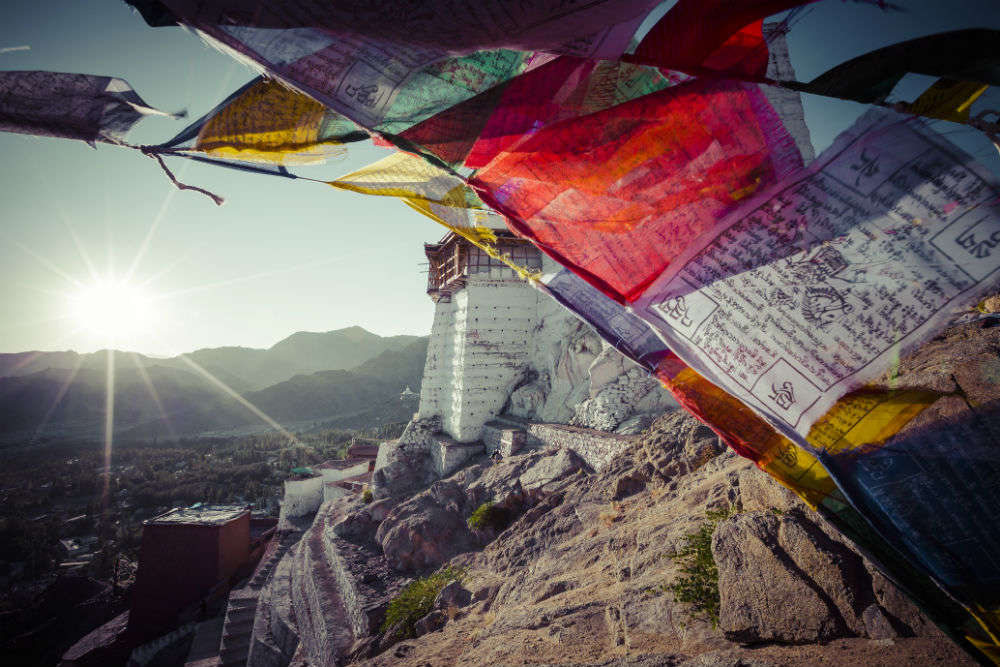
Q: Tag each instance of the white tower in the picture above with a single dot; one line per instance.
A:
(479, 342)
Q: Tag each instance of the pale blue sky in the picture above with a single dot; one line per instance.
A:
(332, 259)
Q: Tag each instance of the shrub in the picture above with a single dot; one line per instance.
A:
(367, 496)
(489, 515)
(415, 601)
(699, 581)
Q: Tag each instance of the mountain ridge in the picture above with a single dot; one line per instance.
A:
(164, 397)
(243, 368)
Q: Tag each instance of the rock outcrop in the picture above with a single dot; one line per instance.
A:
(405, 465)
(574, 377)
(431, 527)
(582, 569)
(582, 575)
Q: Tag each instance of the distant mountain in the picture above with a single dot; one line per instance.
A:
(367, 393)
(242, 368)
(404, 366)
(157, 397)
(63, 403)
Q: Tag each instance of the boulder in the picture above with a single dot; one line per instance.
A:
(431, 527)
(789, 578)
(764, 595)
(528, 399)
(405, 465)
(760, 492)
(361, 524)
(427, 529)
(486, 593)
(551, 469)
(677, 444)
(452, 595)
(432, 622)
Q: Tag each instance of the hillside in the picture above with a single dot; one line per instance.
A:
(155, 398)
(674, 552)
(242, 368)
(579, 570)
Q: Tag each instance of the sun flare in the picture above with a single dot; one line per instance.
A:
(113, 310)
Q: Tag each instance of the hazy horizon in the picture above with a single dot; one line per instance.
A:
(213, 347)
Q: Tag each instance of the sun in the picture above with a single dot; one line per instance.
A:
(113, 310)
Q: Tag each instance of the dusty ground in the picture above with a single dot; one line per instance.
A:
(581, 583)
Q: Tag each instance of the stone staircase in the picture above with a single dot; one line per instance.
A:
(237, 630)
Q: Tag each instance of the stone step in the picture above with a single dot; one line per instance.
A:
(238, 626)
(234, 643)
(238, 623)
(242, 611)
(229, 652)
(242, 603)
(233, 661)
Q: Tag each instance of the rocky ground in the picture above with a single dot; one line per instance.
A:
(582, 573)
(582, 576)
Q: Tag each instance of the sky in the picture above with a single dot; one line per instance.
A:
(280, 256)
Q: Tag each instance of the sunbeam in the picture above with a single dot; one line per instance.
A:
(34, 323)
(167, 199)
(84, 255)
(153, 226)
(46, 263)
(265, 274)
(242, 401)
(58, 399)
(154, 395)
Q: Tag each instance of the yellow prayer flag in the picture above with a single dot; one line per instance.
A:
(948, 99)
(271, 123)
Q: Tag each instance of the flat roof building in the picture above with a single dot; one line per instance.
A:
(187, 555)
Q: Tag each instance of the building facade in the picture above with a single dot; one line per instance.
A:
(484, 315)
(187, 554)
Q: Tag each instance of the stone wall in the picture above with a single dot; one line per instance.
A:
(319, 610)
(384, 448)
(332, 491)
(491, 436)
(274, 637)
(504, 438)
(632, 390)
(302, 496)
(364, 606)
(448, 455)
(594, 447)
(334, 474)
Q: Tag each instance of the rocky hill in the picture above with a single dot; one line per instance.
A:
(678, 552)
(582, 570)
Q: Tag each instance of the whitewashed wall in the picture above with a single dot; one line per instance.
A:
(478, 349)
(334, 474)
(302, 497)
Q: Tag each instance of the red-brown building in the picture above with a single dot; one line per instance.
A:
(189, 560)
(187, 556)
